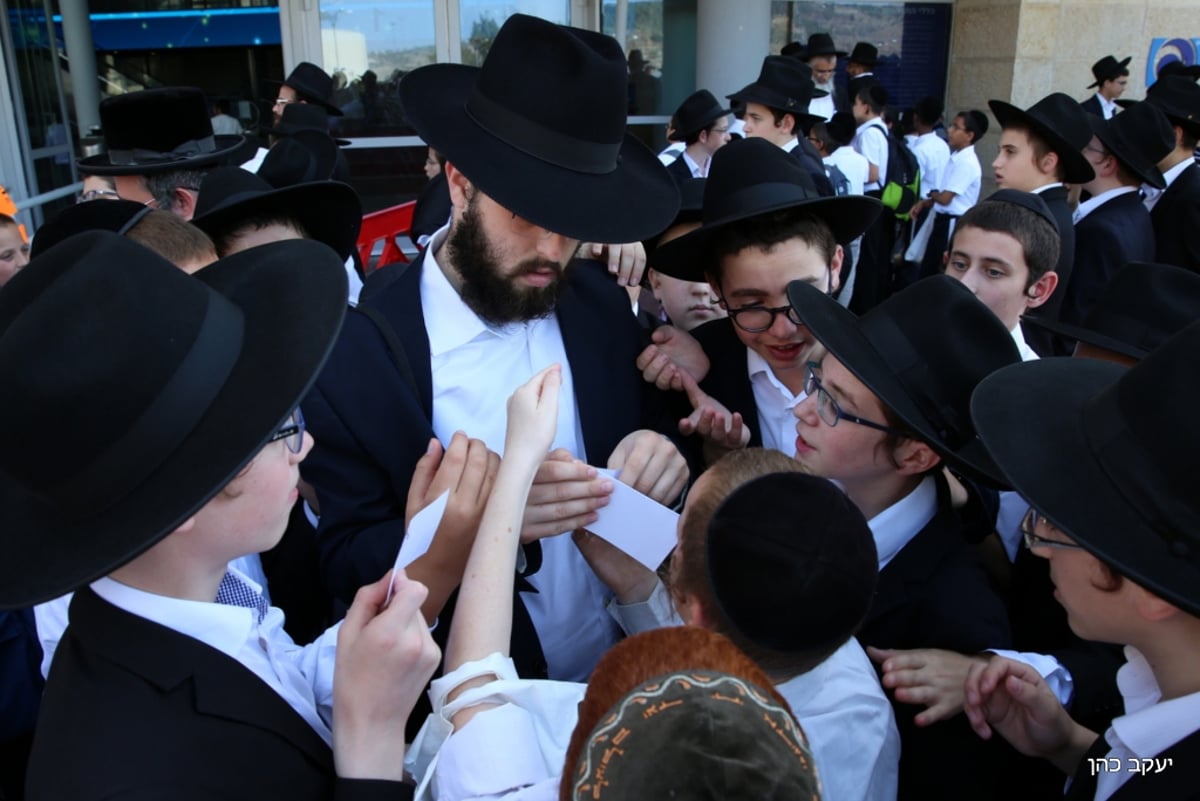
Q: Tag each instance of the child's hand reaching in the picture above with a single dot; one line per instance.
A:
(533, 417)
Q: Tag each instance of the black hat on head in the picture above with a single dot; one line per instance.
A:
(922, 352)
(329, 211)
(160, 394)
(540, 128)
(1108, 68)
(1140, 137)
(1176, 67)
(1178, 98)
(117, 216)
(794, 50)
(1139, 309)
(1109, 456)
(696, 113)
(301, 158)
(821, 44)
(313, 85)
(799, 578)
(161, 130)
(751, 177)
(786, 84)
(1061, 123)
(864, 53)
(691, 194)
(298, 117)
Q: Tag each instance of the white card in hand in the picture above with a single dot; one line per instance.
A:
(419, 537)
(637, 524)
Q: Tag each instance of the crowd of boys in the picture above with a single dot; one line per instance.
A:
(201, 596)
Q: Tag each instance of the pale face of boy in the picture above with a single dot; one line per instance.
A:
(688, 303)
(992, 265)
(758, 277)
(760, 122)
(1015, 166)
(14, 253)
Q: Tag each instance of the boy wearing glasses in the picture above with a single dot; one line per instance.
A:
(764, 226)
(885, 410)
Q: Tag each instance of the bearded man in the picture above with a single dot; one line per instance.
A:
(822, 56)
(495, 298)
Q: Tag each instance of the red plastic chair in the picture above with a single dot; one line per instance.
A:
(385, 224)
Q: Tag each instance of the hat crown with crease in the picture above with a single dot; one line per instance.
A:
(540, 128)
(821, 44)
(864, 53)
(134, 392)
(314, 85)
(784, 83)
(1061, 122)
(1141, 136)
(1108, 68)
(1109, 455)
(698, 111)
(1179, 98)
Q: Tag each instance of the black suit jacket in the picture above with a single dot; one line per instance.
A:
(728, 379)
(134, 710)
(1178, 782)
(935, 594)
(810, 160)
(1042, 341)
(1092, 106)
(679, 170)
(372, 423)
(1111, 236)
(1176, 221)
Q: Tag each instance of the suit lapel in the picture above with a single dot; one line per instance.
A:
(400, 303)
(223, 687)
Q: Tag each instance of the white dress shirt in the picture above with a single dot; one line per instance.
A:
(1151, 194)
(775, 403)
(963, 177)
(475, 368)
(896, 525)
(873, 145)
(822, 106)
(849, 724)
(301, 676)
(1149, 725)
(697, 170)
(1096, 201)
(1108, 107)
(1027, 353)
(853, 165)
(932, 155)
(671, 152)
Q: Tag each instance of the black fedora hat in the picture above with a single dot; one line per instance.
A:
(1109, 456)
(691, 210)
(801, 578)
(821, 44)
(329, 211)
(698, 111)
(1061, 122)
(1140, 137)
(864, 53)
(160, 130)
(121, 418)
(312, 85)
(1140, 308)
(793, 50)
(786, 84)
(117, 216)
(298, 117)
(540, 128)
(1176, 67)
(1108, 68)
(922, 352)
(752, 177)
(301, 158)
(1179, 98)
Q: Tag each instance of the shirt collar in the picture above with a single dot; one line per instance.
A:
(453, 324)
(756, 365)
(896, 525)
(696, 170)
(1176, 171)
(1096, 201)
(1027, 353)
(790, 144)
(223, 627)
(1150, 725)
(1042, 189)
(1110, 106)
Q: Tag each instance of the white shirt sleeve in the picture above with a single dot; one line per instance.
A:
(875, 150)
(1055, 673)
(655, 612)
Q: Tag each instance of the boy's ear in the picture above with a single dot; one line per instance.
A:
(835, 268)
(1041, 290)
(1048, 164)
(915, 457)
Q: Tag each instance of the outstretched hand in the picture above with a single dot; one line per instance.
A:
(672, 351)
(722, 431)
(927, 676)
(626, 261)
(533, 415)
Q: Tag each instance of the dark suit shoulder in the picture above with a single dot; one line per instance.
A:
(1176, 221)
(679, 170)
(1092, 106)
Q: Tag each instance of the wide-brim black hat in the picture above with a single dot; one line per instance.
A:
(1140, 137)
(864, 53)
(329, 211)
(698, 111)
(751, 177)
(161, 130)
(821, 44)
(1062, 123)
(922, 352)
(135, 392)
(540, 128)
(1140, 308)
(1178, 97)
(1108, 455)
(1178, 68)
(301, 158)
(299, 117)
(313, 85)
(786, 84)
(117, 216)
(691, 210)
(1108, 68)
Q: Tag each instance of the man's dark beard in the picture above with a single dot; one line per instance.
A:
(496, 298)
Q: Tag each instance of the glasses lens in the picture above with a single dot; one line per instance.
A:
(753, 320)
(826, 408)
(296, 440)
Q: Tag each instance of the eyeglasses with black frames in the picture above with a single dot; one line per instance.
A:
(291, 432)
(828, 409)
(1029, 524)
(756, 319)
